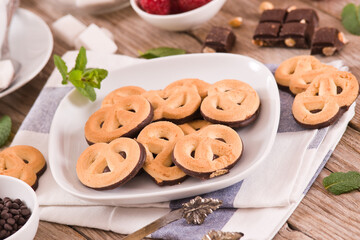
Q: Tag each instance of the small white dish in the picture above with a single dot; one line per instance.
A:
(31, 44)
(181, 21)
(15, 188)
(67, 139)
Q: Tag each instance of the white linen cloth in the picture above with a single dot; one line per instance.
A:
(258, 206)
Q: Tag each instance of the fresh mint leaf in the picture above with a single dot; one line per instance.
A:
(350, 18)
(84, 79)
(340, 182)
(88, 92)
(94, 76)
(5, 129)
(81, 60)
(161, 52)
(61, 66)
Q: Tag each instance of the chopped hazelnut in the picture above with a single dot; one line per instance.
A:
(236, 22)
(291, 8)
(329, 51)
(290, 42)
(208, 50)
(302, 21)
(342, 38)
(265, 6)
(258, 42)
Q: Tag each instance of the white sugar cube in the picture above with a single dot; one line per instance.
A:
(6, 73)
(68, 28)
(86, 3)
(108, 33)
(93, 38)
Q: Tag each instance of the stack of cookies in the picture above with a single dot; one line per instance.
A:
(185, 129)
(322, 93)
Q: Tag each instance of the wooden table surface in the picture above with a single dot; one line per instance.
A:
(320, 215)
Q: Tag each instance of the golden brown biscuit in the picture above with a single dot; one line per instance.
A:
(201, 85)
(298, 72)
(159, 139)
(193, 126)
(327, 97)
(178, 104)
(23, 162)
(105, 166)
(232, 103)
(116, 95)
(208, 153)
(124, 119)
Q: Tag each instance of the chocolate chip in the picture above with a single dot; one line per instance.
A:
(25, 212)
(14, 211)
(15, 206)
(3, 233)
(220, 39)
(2, 222)
(21, 221)
(8, 227)
(4, 215)
(10, 221)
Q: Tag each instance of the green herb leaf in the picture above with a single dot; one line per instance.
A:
(5, 129)
(61, 66)
(94, 76)
(340, 182)
(81, 60)
(161, 52)
(88, 92)
(84, 79)
(350, 18)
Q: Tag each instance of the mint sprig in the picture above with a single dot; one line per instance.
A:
(161, 52)
(84, 79)
(340, 182)
(350, 18)
(5, 129)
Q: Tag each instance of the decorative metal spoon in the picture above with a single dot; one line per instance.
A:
(195, 211)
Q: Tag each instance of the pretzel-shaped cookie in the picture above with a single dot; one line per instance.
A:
(116, 95)
(327, 97)
(193, 126)
(298, 72)
(23, 162)
(208, 153)
(159, 139)
(232, 103)
(104, 166)
(177, 104)
(201, 85)
(124, 119)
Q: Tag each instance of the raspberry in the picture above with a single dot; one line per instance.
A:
(187, 5)
(175, 7)
(160, 7)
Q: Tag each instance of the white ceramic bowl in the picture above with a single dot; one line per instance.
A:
(15, 188)
(181, 21)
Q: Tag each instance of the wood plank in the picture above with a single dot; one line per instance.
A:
(55, 231)
(288, 233)
(322, 215)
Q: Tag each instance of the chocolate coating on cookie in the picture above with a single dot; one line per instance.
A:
(232, 103)
(159, 139)
(325, 99)
(208, 153)
(105, 166)
(23, 162)
(124, 119)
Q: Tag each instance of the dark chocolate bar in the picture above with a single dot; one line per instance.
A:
(279, 28)
(219, 39)
(327, 41)
(273, 15)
